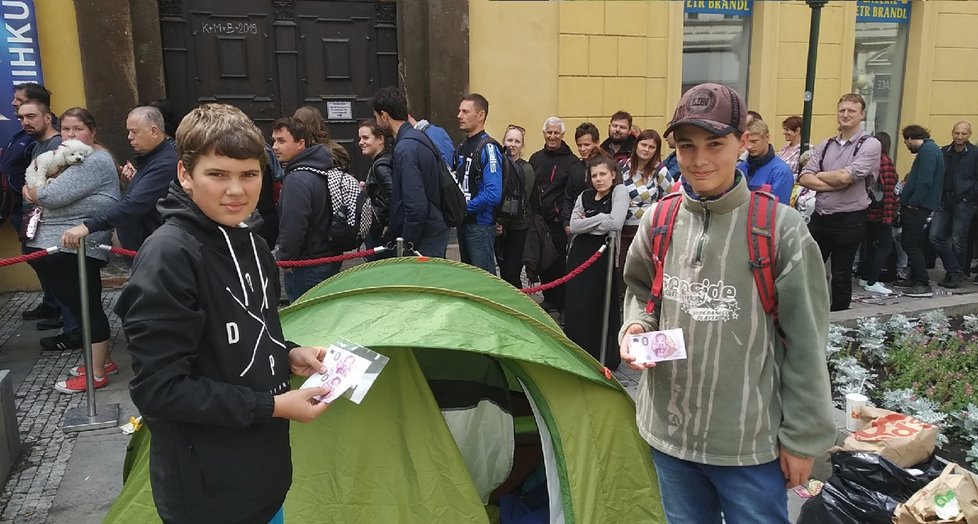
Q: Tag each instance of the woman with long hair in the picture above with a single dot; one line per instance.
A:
(78, 193)
(511, 233)
(374, 144)
(599, 211)
(645, 178)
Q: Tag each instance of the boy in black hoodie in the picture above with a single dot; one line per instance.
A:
(212, 367)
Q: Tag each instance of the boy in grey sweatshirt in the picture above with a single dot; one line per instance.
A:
(744, 415)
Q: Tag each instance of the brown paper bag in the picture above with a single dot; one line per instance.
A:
(902, 439)
(950, 498)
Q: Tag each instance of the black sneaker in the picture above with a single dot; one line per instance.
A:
(49, 323)
(952, 282)
(920, 291)
(39, 312)
(61, 342)
(903, 282)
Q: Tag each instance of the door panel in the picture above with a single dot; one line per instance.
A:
(232, 51)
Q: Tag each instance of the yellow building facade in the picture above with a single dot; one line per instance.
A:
(62, 72)
(584, 60)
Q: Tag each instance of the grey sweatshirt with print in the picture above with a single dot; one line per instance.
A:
(741, 392)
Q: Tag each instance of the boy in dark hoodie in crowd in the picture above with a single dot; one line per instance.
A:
(212, 367)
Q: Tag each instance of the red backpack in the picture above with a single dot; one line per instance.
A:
(760, 242)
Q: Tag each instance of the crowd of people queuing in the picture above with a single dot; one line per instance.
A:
(212, 195)
(894, 234)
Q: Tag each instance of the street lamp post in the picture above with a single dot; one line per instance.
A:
(806, 125)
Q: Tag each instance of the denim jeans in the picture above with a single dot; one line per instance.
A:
(434, 244)
(475, 246)
(71, 326)
(302, 279)
(700, 493)
(949, 231)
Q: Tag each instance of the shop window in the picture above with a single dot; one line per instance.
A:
(716, 43)
(878, 63)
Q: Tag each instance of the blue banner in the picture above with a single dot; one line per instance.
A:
(893, 11)
(720, 7)
(20, 59)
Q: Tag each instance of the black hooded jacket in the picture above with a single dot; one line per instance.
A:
(551, 169)
(304, 207)
(208, 352)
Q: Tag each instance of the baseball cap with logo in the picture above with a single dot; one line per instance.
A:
(713, 107)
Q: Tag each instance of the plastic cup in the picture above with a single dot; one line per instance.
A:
(854, 401)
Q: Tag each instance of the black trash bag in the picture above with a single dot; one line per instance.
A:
(864, 488)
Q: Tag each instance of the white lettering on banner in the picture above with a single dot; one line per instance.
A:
(22, 52)
(17, 36)
(24, 10)
(21, 42)
(233, 334)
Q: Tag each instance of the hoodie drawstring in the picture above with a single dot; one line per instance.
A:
(261, 277)
(237, 266)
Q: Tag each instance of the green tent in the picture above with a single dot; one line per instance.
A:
(482, 398)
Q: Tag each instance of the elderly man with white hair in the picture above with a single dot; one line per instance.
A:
(135, 216)
(551, 166)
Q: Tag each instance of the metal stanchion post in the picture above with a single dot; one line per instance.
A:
(612, 254)
(77, 419)
(400, 246)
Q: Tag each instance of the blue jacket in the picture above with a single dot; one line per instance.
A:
(672, 164)
(135, 217)
(775, 172)
(484, 189)
(440, 138)
(415, 211)
(925, 182)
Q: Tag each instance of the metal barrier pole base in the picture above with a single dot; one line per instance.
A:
(77, 419)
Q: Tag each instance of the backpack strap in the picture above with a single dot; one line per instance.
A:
(663, 220)
(762, 215)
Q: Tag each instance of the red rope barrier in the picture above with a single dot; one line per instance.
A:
(327, 260)
(562, 280)
(120, 251)
(26, 258)
(281, 263)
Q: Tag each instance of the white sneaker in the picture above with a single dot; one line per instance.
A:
(861, 282)
(878, 288)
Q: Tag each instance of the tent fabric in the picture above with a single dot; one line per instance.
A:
(393, 459)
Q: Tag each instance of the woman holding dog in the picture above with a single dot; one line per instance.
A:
(67, 198)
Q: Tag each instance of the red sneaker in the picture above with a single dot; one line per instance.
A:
(77, 384)
(79, 371)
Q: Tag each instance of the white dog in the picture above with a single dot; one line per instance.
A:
(52, 163)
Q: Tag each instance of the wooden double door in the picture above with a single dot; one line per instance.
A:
(270, 57)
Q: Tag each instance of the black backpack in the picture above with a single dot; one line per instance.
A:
(453, 205)
(352, 212)
(874, 187)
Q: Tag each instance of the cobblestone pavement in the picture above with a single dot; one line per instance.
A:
(74, 477)
(36, 476)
